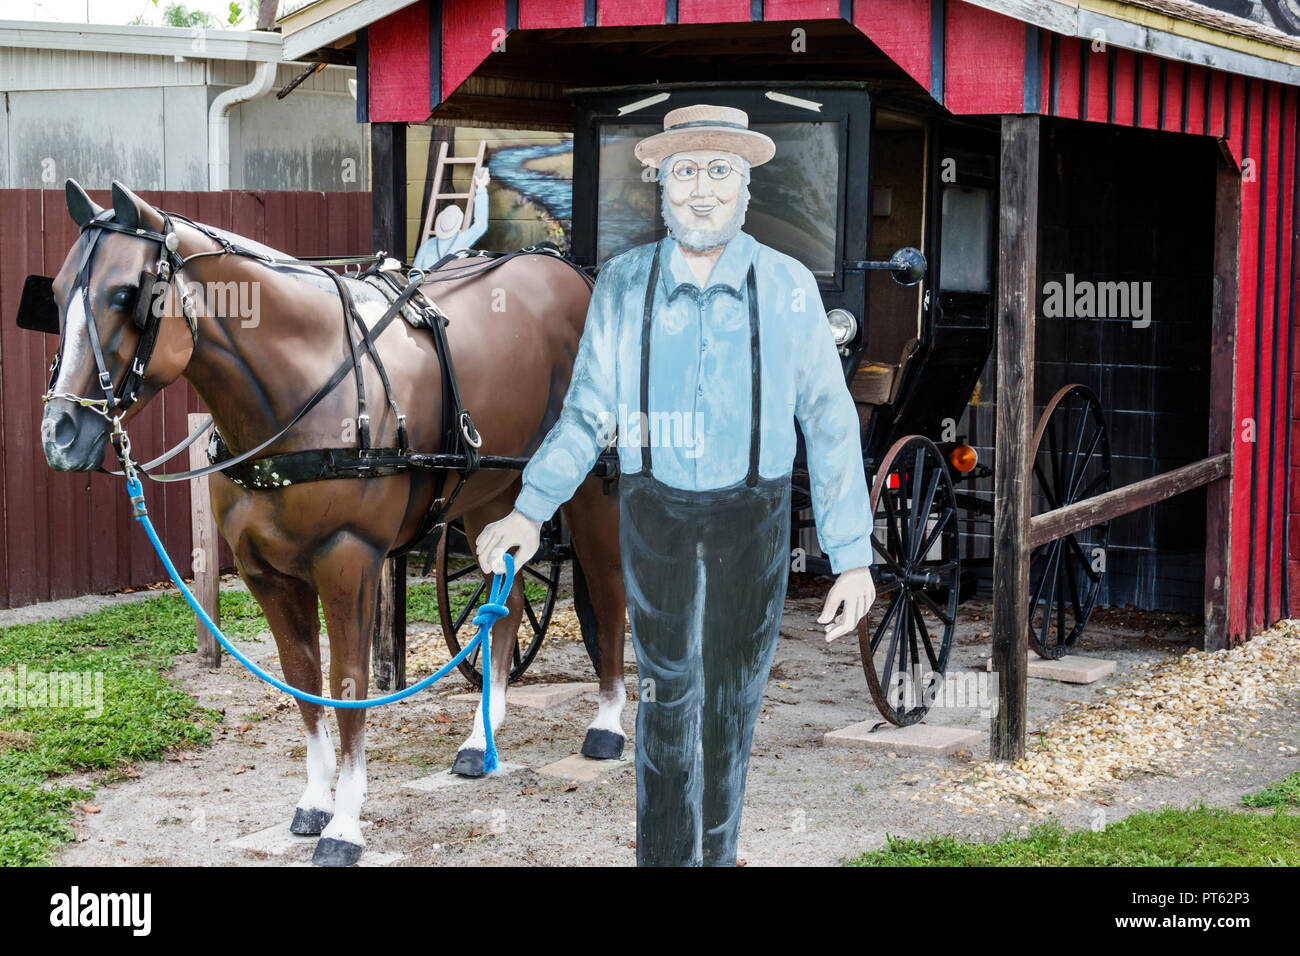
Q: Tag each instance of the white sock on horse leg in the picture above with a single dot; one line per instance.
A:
(321, 765)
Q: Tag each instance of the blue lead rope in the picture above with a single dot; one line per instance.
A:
(491, 612)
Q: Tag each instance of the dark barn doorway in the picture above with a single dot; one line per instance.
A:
(1126, 264)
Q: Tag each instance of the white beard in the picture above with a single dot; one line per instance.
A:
(699, 240)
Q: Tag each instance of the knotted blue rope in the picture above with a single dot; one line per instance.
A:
(487, 615)
(492, 610)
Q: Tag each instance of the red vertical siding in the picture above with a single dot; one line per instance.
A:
(984, 61)
(549, 14)
(1241, 617)
(399, 66)
(470, 28)
(1125, 72)
(901, 28)
(800, 9)
(1098, 84)
(712, 11)
(627, 13)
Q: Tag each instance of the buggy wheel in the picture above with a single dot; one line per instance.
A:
(1071, 462)
(918, 576)
(462, 589)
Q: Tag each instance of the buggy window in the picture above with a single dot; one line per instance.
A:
(793, 204)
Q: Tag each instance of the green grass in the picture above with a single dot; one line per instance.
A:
(144, 715)
(1198, 836)
(1284, 793)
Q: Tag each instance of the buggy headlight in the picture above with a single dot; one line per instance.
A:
(843, 325)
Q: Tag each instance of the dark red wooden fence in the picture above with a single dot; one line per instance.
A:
(63, 535)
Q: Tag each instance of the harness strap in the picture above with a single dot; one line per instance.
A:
(403, 440)
(349, 319)
(339, 375)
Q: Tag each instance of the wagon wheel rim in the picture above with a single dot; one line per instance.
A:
(532, 624)
(915, 537)
(1071, 462)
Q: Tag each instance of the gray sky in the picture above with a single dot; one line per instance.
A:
(117, 11)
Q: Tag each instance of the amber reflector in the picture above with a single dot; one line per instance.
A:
(963, 458)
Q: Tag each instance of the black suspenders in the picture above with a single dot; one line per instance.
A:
(755, 360)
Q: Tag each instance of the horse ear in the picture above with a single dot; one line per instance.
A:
(126, 206)
(80, 206)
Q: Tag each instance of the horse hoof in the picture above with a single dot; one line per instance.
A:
(332, 852)
(603, 744)
(469, 763)
(309, 822)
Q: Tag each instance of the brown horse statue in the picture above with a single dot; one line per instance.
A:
(513, 333)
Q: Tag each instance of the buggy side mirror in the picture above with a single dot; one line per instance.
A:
(38, 311)
(907, 266)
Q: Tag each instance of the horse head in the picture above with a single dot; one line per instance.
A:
(123, 337)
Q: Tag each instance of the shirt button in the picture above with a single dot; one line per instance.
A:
(700, 390)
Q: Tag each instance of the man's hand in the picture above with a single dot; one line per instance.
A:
(483, 178)
(856, 591)
(515, 532)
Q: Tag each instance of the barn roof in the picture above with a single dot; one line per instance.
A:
(971, 56)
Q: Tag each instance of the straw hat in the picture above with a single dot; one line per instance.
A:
(706, 127)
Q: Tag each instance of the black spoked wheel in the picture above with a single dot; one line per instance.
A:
(1071, 462)
(462, 589)
(905, 652)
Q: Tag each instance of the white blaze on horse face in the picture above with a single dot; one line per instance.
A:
(609, 712)
(350, 794)
(320, 771)
(76, 344)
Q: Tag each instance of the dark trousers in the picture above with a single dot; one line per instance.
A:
(706, 576)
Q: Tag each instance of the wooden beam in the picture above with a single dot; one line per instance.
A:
(388, 232)
(1017, 302)
(204, 559)
(1120, 501)
(1223, 329)
(388, 188)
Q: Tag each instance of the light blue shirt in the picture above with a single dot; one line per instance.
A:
(433, 248)
(700, 388)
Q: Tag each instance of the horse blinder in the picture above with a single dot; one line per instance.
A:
(38, 311)
(148, 302)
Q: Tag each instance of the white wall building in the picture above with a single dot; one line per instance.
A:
(104, 102)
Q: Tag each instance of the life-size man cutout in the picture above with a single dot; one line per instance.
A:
(704, 348)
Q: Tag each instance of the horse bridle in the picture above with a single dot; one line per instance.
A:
(146, 315)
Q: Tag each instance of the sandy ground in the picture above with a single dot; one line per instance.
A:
(229, 803)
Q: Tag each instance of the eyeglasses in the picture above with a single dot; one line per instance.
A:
(684, 170)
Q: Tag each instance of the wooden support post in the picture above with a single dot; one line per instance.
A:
(388, 652)
(1017, 306)
(204, 558)
(388, 232)
(1223, 335)
(388, 188)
